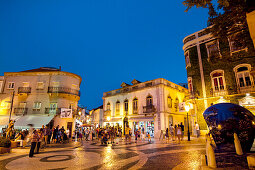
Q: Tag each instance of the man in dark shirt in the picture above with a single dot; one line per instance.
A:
(182, 128)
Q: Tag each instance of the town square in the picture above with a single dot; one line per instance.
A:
(127, 84)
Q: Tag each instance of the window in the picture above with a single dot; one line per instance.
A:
(126, 105)
(190, 85)
(234, 45)
(40, 85)
(149, 101)
(25, 84)
(135, 107)
(176, 105)
(117, 106)
(55, 84)
(213, 50)
(108, 106)
(37, 105)
(74, 86)
(187, 59)
(11, 85)
(218, 82)
(169, 101)
(243, 77)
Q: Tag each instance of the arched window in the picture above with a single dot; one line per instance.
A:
(176, 105)
(135, 106)
(117, 107)
(243, 77)
(169, 101)
(149, 101)
(126, 105)
(108, 106)
(218, 81)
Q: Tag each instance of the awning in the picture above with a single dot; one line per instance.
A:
(37, 121)
(4, 120)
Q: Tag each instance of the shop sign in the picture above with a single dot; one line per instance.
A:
(66, 113)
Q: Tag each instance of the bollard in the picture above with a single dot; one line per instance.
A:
(238, 147)
(211, 157)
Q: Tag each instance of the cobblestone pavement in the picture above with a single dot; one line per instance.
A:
(92, 155)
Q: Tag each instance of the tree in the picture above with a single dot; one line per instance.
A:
(228, 17)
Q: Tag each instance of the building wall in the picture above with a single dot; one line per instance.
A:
(226, 62)
(63, 100)
(160, 90)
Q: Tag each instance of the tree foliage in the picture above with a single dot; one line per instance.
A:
(225, 16)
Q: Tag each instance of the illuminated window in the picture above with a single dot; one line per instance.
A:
(218, 82)
(117, 107)
(169, 101)
(40, 85)
(243, 77)
(126, 105)
(135, 107)
(108, 106)
(176, 105)
(187, 59)
(37, 105)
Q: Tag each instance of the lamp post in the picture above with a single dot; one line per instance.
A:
(187, 110)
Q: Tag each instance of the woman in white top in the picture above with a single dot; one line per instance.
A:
(179, 133)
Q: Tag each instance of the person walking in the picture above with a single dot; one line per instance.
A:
(175, 131)
(167, 135)
(127, 135)
(182, 128)
(39, 140)
(179, 133)
(34, 139)
(197, 129)
(171, 130)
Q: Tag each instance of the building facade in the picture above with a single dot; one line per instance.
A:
(151, 105)
(37, 96)
(219, 70)
(96, 116)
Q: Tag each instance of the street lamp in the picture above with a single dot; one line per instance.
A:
(187, 110)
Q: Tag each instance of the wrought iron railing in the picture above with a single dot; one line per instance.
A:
(49, 110)
(20, 111)
(24, 90)
(63, 90)
(149, 109)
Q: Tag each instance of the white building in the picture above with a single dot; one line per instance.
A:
(96, 116)
(38, 96)
(151, 105)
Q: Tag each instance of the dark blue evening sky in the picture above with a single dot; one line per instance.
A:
(106, 42)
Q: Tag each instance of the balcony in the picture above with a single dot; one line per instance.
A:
(20, 111)
(63, 90)
(49, 110)
(24, 90)
(149, 109)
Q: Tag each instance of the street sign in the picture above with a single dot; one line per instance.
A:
(66, 113)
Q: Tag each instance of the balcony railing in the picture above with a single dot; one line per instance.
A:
(149, 109)
(20, 111)
(63, 90)
(49, 110)
(24, 90)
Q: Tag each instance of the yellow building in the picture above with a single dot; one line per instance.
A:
(39, 96)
